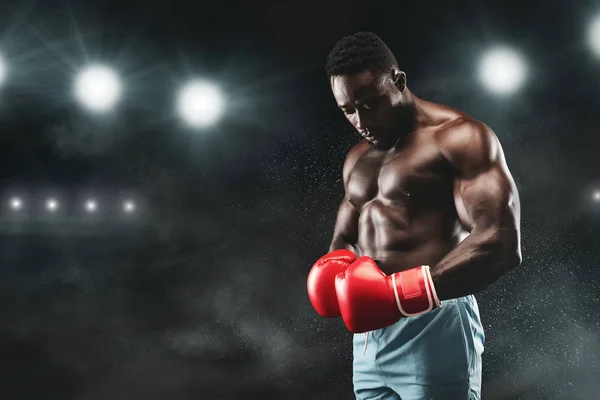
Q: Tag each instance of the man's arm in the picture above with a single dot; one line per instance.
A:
(345, 233)
(342, 253)
(487, 203)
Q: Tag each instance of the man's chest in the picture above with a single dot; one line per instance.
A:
(414, 175)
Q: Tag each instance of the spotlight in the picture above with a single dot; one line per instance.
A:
(16, 203)
(51, 205)
(91, 206)
(502, 71)
(2, 70)
(128, 207)
(200, 103)
(593, 35)
(97, 88)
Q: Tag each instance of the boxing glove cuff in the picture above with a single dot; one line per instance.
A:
(414, 291)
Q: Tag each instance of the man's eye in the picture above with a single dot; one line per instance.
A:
(370, 105)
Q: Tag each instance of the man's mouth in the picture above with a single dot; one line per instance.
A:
(371, 140)
(368, 135)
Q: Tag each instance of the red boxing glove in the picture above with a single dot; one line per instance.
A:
(321, 281)
(369, 299)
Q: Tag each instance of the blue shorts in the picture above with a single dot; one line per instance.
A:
(432, 356)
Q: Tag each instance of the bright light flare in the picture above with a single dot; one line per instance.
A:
(593, 35)
(502, 71)
(98, 88)
(129, 206)
(51, 205)
(2, 70)
(91, 206)
(200, 103)
(16, 203)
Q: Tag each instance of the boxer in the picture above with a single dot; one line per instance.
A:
(430, 216)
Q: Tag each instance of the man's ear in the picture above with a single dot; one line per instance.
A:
(399, 79)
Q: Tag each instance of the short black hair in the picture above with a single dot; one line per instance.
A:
(359, 52)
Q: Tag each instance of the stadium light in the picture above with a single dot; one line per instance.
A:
(51, 205)
(91, 206)
(129, 206)
(502, 71)
(16, 203)
(98, 88)
(593, 35)
(2, 70)
(200, 103)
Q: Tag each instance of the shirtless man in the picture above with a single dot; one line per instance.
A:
(430, 217)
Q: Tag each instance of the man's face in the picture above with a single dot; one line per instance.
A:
(368, 102)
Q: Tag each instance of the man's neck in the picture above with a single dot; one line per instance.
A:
(411, 114)
(410, 118)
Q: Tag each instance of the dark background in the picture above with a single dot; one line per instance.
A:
(203, 297)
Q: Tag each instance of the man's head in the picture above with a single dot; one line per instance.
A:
(367, 84)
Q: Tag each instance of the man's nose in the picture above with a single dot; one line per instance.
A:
(362, 121)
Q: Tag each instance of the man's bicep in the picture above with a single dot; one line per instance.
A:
(485, 193)
(345, 234)
(489, 200)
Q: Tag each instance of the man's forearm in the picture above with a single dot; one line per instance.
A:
(477, 262)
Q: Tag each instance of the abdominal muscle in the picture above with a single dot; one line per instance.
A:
(398, 242)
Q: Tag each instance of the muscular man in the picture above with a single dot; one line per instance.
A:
(430, 217)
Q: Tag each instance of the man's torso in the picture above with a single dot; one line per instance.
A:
(406, 201)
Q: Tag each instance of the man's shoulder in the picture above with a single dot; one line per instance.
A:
(466, 140)
(463, 128)
(357, 150)
(353, 155)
